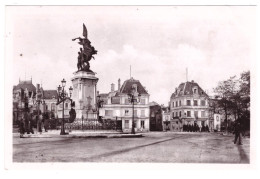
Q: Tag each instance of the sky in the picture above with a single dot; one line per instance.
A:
(158, 42)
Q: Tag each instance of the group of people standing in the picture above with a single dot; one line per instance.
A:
(195, 128)
(29, 121)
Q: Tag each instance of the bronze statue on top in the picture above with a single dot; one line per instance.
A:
(85, 54)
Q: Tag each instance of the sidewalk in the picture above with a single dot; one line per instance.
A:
(80, 134)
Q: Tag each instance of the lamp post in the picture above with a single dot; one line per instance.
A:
(99, 105)
(133, 97)
(62, 97)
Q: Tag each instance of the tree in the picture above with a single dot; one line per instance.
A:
(225, 92)
(244, 100)
(233, 98)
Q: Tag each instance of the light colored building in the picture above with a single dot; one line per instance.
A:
(116, 106)
(166, 118)
(189, 104)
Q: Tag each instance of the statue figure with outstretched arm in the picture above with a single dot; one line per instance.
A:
(85, 54)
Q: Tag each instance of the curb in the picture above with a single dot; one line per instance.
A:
(85, 136)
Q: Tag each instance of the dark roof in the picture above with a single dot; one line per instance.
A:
(25, 84)
(127, 86)
(153, 103)
(103, 95)
(48, 94)
(186, 89)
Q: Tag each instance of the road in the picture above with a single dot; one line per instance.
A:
(154, 147)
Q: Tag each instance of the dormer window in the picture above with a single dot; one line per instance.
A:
(134, 87)
(195, 90)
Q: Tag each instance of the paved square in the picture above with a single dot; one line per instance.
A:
(153, 147)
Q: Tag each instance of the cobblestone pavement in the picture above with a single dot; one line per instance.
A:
(162, 147)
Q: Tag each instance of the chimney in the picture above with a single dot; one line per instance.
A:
(112, 87)
(119, 84)
(38, 87)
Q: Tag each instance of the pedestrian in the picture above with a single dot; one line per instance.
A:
(46, 122)
(207, 128)
(21, 127)
(30, 125)
(237, 133)
(39, 123)
(26, 122)
(184, 128)
(200, 127)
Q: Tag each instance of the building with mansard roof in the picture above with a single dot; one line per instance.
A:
(22, 93)
(116, 106)
(189, 104)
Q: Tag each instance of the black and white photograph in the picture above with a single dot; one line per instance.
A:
(130, 84)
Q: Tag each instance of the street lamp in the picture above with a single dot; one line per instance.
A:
(62, 97)
(99, 105)
(133, 97)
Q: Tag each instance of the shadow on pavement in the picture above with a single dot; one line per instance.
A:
(127, 149)
(243, 157)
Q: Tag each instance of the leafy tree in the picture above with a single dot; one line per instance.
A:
(225, 92)
(233, 98)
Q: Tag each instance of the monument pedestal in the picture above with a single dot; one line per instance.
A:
(84, 94)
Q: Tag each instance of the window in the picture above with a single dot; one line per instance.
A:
(173, 114)
(195, 91)
(180, 103)
(176, 104)
(142, 124)
(134, 87)
(188, 102)
(142, 101)
(135, 112)
(188, 113)
(126, 101)
(126, 112)
(109, 113)
(142, 113)
(127, 124)
(202, 102)
(176, 114)
(195, 103)
(172, 104)
(180, 114)
(46, 107)
(202, 113)
(196, 114)
(66, 105)
(52, 106)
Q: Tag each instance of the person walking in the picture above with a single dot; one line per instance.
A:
(46, 122)
(30, 125)
(39, 123)
(21, 127)
(237, 132)
(26, 122)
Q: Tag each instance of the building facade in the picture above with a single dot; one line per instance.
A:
(22, 98)
(189, 104)
(116, 106)
(155, 117)
(166, 118)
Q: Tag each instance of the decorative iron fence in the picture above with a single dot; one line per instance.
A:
(94, 124)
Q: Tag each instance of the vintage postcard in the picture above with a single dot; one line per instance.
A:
(168, 85)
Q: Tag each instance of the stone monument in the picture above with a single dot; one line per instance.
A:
(84, 80)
